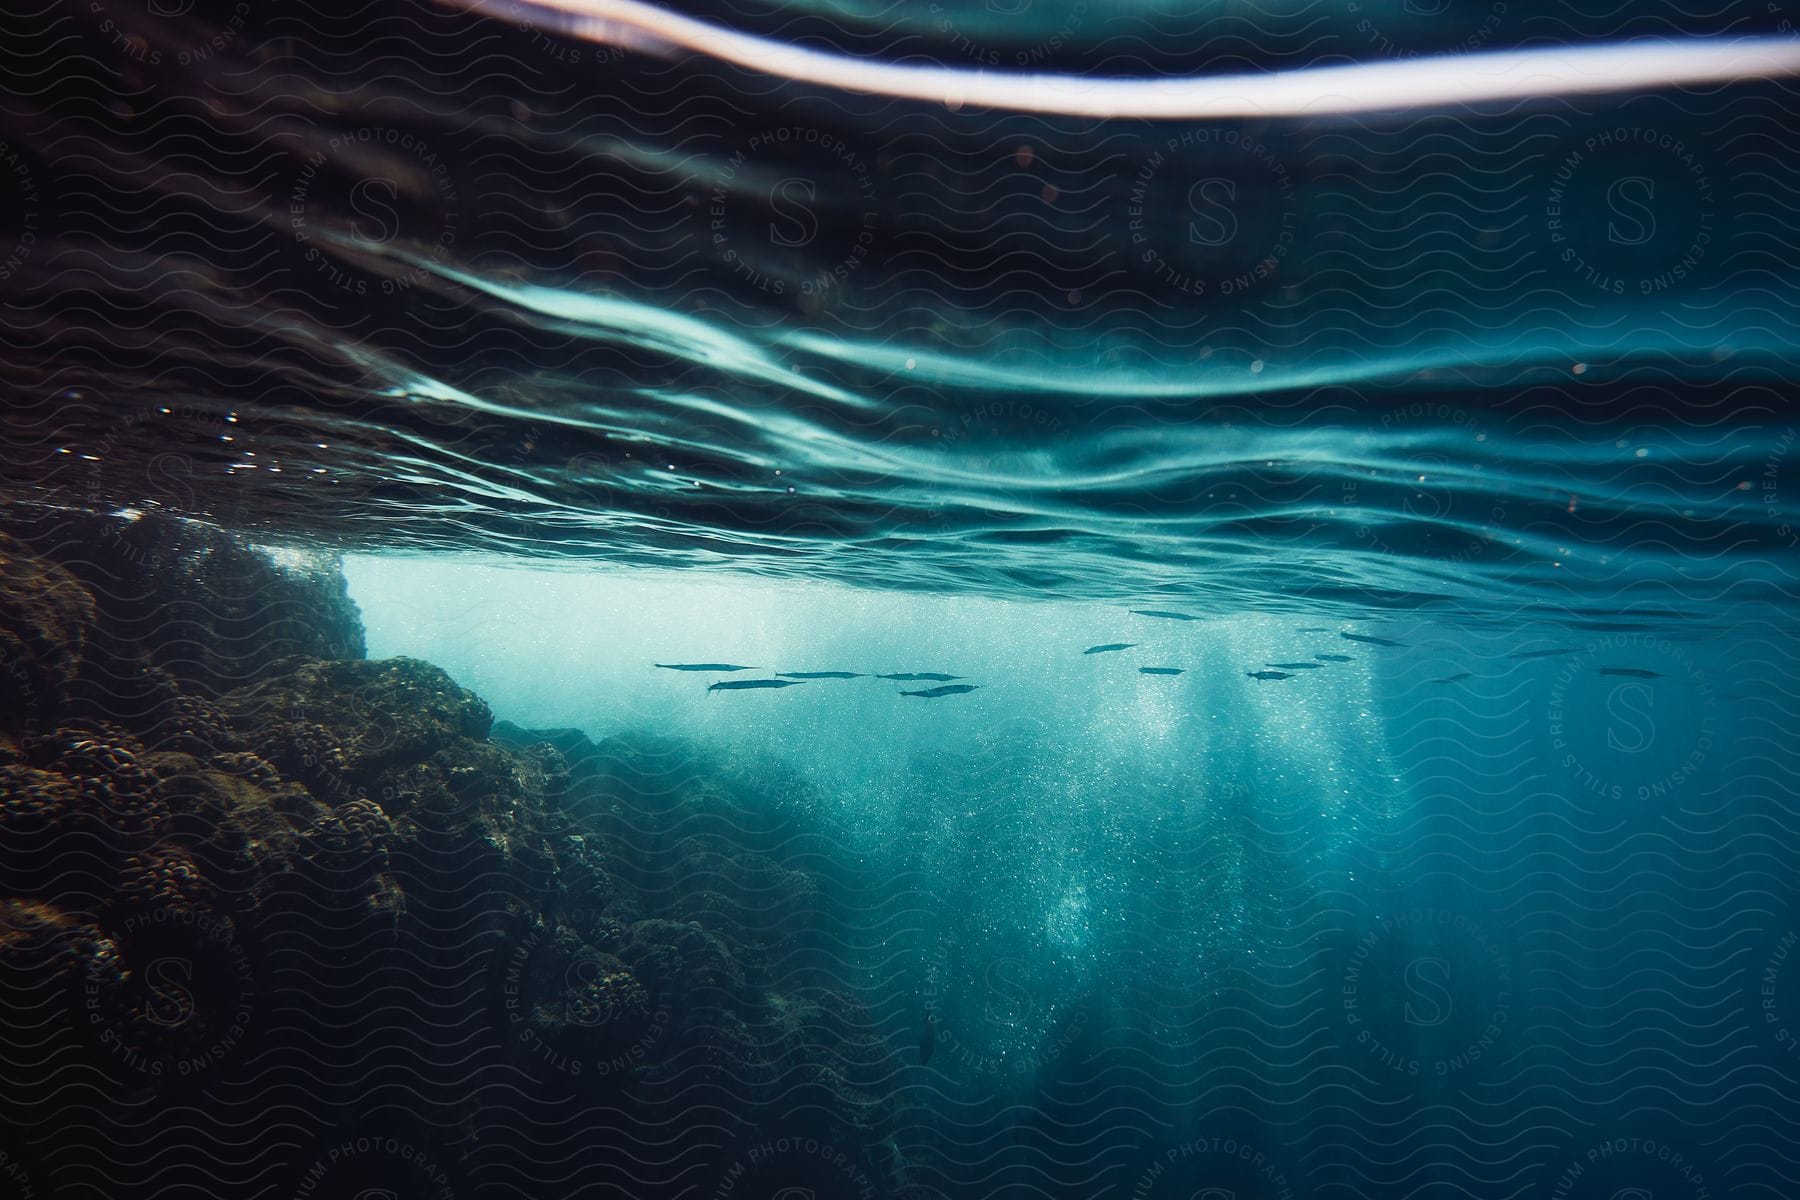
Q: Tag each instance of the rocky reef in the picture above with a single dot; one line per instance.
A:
(278, 919)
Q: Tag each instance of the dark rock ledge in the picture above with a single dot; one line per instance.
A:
(244, 869)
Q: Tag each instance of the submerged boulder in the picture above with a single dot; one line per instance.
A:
(345, 724)
(46, 617)
(191, 600)
(234, 854)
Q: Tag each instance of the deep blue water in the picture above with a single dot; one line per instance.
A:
(593, 357)
(1516, 933)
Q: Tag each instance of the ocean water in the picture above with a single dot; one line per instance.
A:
(1346, 497)
(1371, 929)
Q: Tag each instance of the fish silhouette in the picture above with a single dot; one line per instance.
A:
(1159, 670)
(1268, 674)
(949, 689)
(738, 685)
(821, 675)
(1110, 646)
(1456, 678)
(1167, 616)
(914, 676)
(1334, 658)
(704, 667)
(1631, 672)
(1522, 654)
(1373, 641)
(1299, 666)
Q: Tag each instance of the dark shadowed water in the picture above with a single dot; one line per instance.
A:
(1473, 422)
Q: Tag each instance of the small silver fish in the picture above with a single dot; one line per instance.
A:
(704, 667)
(738, 685)
(1373, 641)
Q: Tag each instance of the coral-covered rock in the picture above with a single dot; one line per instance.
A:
(245, 831)
(31, 798)
(103, 765)
(40, 941)
(38, 836)
(240, 830)
(164, 877)
(374, 716)
(191, 599)
(355, 842)
(307, 751)
(246, 764)
(683, 963)
(366, 825)
(573, 1002)
(192, 725)
(45, 619)
(541, 769)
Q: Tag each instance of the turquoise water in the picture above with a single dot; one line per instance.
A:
(1385, 931)
(1444, 849)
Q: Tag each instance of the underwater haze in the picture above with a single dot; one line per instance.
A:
(924, 601)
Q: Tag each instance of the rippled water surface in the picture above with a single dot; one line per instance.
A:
(1468, 425)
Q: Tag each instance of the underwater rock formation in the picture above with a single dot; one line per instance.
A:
(236, 877)
(45, 617)
(180, 603)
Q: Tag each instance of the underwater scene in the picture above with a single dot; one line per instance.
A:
(904, 600)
